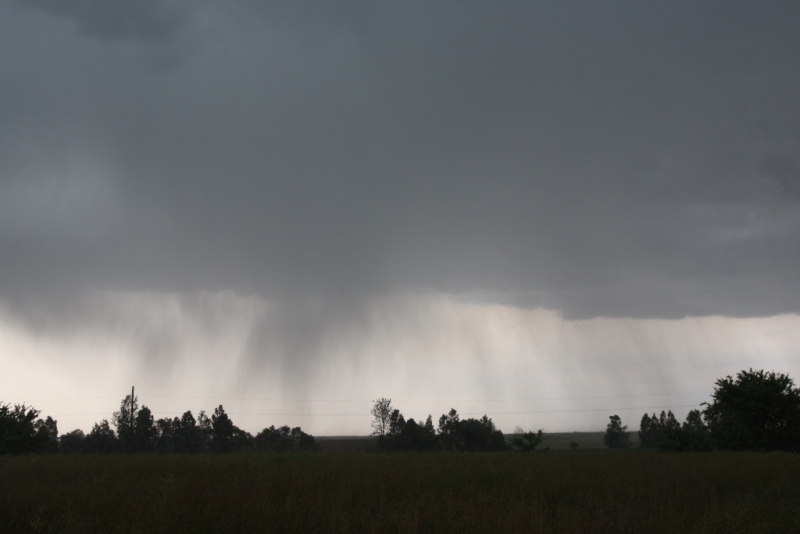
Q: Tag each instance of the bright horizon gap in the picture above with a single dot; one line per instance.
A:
(511, 358)
(459, 413)
(372, 400)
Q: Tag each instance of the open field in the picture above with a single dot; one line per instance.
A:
(570, 491)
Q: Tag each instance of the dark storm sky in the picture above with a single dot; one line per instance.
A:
(633, 159)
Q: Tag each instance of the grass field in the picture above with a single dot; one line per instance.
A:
(569, 491)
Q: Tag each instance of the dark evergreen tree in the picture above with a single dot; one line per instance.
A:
(429, 425)
(187, 434)
(222, 430)
(396, 424)
(667, 421)
(448, 431)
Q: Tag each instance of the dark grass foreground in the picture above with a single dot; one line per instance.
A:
(578, 491)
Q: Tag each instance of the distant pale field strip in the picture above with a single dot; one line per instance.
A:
(553, 441)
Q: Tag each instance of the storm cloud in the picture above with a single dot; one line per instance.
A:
(143, 20)
(615, 159)
(606, 159)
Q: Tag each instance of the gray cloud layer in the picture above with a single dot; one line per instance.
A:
(142, 20)
(613, 159)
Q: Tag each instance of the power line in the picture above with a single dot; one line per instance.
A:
(77, 414)
(77, 398)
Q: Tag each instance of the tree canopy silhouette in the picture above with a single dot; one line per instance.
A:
(18, 430)
(757, 410)
(693, 435)
(653, 430)
(395, 433)
(616, 436)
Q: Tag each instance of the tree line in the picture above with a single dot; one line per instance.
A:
(134, 429)
(755, 411)
(396, 434)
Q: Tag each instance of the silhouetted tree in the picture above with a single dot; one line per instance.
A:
(381, 413)
(241, 440)
(206, 430)
(416, 437)
(448, 431)
(222, 430)
(429, 425)
(284, 439)
(183, 434)
(125, 424)
(527, 441)
(757, 410)
(480, 435)
(72, 442)
(145, 432)
(274, 439)
(167, 441)
(616, 436)
(693, 435)
(649, 432)
(18, 433)
(402, 435)
(454, 434)
(652, 430)
(424, 437)
(179, 434)
(101, 439)
(396, 423)
(48, 428)
(393, 439)
(138, 433)
(303, 441)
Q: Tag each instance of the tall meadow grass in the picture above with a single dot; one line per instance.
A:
(570, 491)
